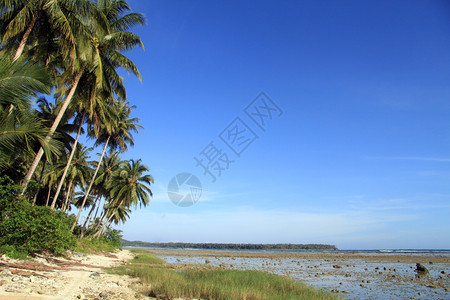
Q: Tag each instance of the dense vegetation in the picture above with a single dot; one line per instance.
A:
(165, 282)
(126, 243)
(59, 81)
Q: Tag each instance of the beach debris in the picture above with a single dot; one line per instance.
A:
(6, 272)
(337, 266)
(103, 295)
(95, 274)
(421, 270)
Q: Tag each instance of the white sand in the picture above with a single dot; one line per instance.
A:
(71, 281)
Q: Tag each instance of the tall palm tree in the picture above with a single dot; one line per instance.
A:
(20, 129)
(23, 22)
(79, 170)
(108, 37)
(115, 132)
(130, 185)
(109, 165)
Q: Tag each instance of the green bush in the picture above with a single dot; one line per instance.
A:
(108, 242)
(31, 229)
(114, 237)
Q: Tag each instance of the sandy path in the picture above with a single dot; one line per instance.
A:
(81, 277)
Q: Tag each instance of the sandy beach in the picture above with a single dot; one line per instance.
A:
(352, 275)
(81, 277)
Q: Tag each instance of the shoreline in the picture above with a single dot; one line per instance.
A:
(81, 277)
(357, 275)
(416, 257)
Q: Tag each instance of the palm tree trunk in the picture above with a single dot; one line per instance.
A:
(69, 195)
(91, 184)
(48, 195)
(66, 200)
(96, 211)
(99, 232)
(84, 228)
(19, 50)
(40, 181)
(34, 198)
(52, 130)
(69, 161)
(100, 221)
(91, 211)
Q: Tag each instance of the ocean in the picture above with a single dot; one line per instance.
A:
(353, 274)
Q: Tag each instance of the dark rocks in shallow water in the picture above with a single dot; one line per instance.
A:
(421, 270)
(337, 266)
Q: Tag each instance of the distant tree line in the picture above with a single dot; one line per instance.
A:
(230, 246)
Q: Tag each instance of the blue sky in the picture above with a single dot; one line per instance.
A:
(359, 156)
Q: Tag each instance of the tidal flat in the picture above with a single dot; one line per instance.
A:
(352, 275)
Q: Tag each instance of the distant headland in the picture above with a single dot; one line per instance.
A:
(230, 246)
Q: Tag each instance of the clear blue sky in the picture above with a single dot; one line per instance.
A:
(360, 157)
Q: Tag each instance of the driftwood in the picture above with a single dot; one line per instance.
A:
(23, 273)
(30, 266)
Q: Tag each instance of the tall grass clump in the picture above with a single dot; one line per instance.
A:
(166, 283)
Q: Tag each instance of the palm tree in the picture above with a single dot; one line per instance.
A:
(129, 186)
(20, 128)
(108, 37)
(24, 22)
(20, 81)
(115, 132)
(79, 170)
(109, 165)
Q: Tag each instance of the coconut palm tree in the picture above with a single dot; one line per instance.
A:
(130, 185)
(116, 133)
(20, 129)
(79, 170)
(108, 36)
(24, 22)
(110, 164)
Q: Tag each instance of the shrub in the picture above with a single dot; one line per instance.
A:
(31, 229)
(109, 241)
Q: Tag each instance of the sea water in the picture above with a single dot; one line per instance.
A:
(375, 274)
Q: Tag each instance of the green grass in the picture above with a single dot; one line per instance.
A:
(93, 245)
(164, 281)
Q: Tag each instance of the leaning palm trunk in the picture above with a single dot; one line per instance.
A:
(69, 192)
(69, 161)
(91, 212)
(40, 181)
(24, 40)
(91, 184)
(48, 195)
(84, 228)
(96, 211)
(52, 130)
(100, 231)
(100, 221)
